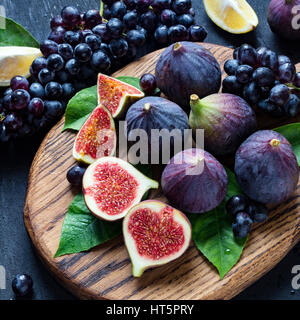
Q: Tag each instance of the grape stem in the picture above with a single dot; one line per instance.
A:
(290, 85)
(101, 8)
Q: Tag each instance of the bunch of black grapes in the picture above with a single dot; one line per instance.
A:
(264, 79)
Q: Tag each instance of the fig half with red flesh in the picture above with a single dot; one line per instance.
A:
(116, 95)
(155, 234)
(111, 186)
(97, 137)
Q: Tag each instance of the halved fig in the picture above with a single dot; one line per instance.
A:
(97, 138)
(112, 186)
(116, 95)
(155, 234)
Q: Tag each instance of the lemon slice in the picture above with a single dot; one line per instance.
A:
(234, 16)
(16, 61)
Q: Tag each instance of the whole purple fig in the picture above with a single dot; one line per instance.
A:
(283, 19)
(227, 121)
(194, 181)
(185, 68)
(266, 167)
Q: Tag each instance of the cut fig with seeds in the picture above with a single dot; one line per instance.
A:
(112, 186)
(97, 138)
(155, 234)
(116, 95)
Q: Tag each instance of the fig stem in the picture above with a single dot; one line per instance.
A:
(147, 106)
(195, 104)
(275, 143)
(177, 46)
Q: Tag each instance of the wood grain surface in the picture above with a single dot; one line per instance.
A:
(105, 271)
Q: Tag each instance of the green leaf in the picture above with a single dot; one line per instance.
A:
(15, 35)
(80, 107)
(84, 102)
(82, 231)
(213, 236)
(292, 133)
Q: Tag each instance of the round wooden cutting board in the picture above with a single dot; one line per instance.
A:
(105, 271)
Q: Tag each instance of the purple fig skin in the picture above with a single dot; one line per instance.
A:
(266, 167)
(185, 68)
(156, 113)
(227, 121)
(280, 18)
(194, 193)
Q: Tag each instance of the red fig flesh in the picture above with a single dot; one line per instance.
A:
(97, 137)
(155, 234)
(112, 186)
(116, 95)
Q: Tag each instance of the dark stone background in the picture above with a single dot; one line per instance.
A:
(16, 251)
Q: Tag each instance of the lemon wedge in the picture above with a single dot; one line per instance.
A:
(16, 61)
(234, 16)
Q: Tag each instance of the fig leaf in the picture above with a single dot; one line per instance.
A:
(15, 35)
(85, 101)
(213, 236)
(82, 231)
(292, 133)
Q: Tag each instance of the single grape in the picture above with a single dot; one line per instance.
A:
(130, 19)
(143, 30)
(168, 17)
(70, 16)
(83, 52)
(13, 122)
(38, 64)
(177, 33)
(68, 91)
(130, 4)
(247, 55)
(62, 76)
(104, 47)
(36, 107)
(57, 35)
(100, 61)
(296, 81)
(7, 104)
(292, 107)
(131, 52)
(8, 91)
(236, 204)
(118, 9)
(159, 5)
(53, 90)
(73, 38)
(161, 34)
(106, 13)
(268, 106)
(231, 85)
(280, 94)
(55, 62)
(231, 66)
(56, 21)
(65, 50)
(197, 33)
(135, 37)
(48, 47)
(258, 212)
(264, 92)
(186, 20)
(259, 53)
(72, 67)
(243, 73)
(148, 83)
(270, 60)
(84, 33)
(118, 47)
(286, 72)
(93, 41)
(46, 75)
(92, 18)
(115, 27)
(264, 77)
(20, 99)
(22, 285)
(181, 6)
(241, 228)
(36, 90)
(75, 175)
(54, 109)
(235, 53)
(19, 82)
(102, 31)
(252, 93)
(143, 5)
(283, 59)
(148, 21)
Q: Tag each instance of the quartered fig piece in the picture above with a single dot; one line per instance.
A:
(97, 138)
(155, 234)
(116, 95)
(112, 186)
